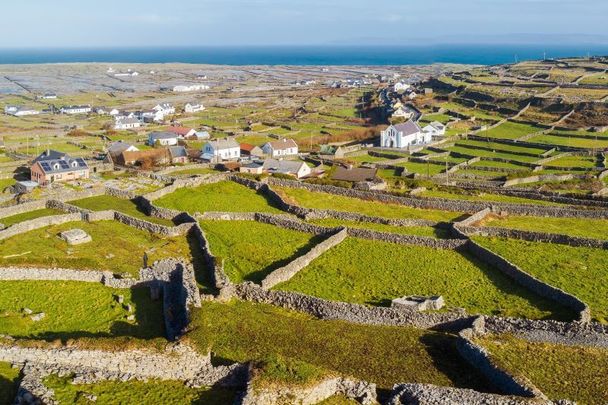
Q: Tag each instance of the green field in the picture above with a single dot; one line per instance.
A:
(225, 196)
(242, 331)
(75, 309)
(587, 162)
(510, 130)
(326, 201)
(561, 372)
(107, 251)
(590, 143)
(404, 230)
(492, 154)
(374, 273)
(9, 380)
(578, 271)
(129, 207)
(582, 227)
(424, 169)
(483, 197)
(26, 216)
(131, 392)
(251, 249)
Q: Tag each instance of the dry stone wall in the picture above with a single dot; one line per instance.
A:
(219, 278)
(355, 313)
(38, 223)
(287, 272)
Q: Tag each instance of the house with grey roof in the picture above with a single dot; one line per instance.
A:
(178, 154)
(281, 148)
(404, 135)
(296, 168)
(52, 166)
(124, 123)
(221, 149)
(162, 138)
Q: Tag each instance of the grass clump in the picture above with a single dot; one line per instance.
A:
(225, 196)
(116, 247)
(582, 227)
(243, 331)
(326, 201)
(561, 372)
(251, 249)
(26, 216)
(128, 207)
(276, 371)
(9, 380)
(131, 392)
(371, 272)
(74, 309)
(577, 270)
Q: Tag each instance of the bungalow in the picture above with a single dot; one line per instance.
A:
(190, 108)
(178, 154)
(221, 149)
(124, 123)
(75, 109)
(403, 135)
(117, 148)
(51, 166)
(182, 132)
(162, 139)
(49, 96)
(202, 135)
(193, 87)
(284, 147)
(19, 111)
(435, 128)
(248, 149)
(295, 168)
(252, 168)
(152, 116)
(165, 108)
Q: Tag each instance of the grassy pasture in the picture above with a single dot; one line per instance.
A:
(371, 272)
(26, 216)
(325, 201)
(117, 248)
(150, 392)
(404, 230)
(251, 250)
(226, 196)
(510, 130)
(576, 270)
(583, 227)
(561, 372)
(590, 143)
(74, 309)
(241, 331)
(128, 207)
(587, 162)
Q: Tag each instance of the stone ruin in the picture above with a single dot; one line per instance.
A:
(418, 303)
(75, 236)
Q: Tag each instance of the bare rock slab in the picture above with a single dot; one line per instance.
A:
(418, 303)
(75, 237)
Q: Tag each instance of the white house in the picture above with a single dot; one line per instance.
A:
(435, 128)
(193, 87)
(162, 139)
(75, 109)
(153, 116)
(20, 111)
(49, 96)
(295, 168)
(202, 134)
(123, 123)
(165, 108)
(412, 95)
(221, 149)
(190, 108)
(404, 135)
(400, 87)
(281, 148)
(114, 112)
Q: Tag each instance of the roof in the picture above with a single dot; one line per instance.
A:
(283, 144)
(224, 143)
(74, 107)
(253, 165)
(161, 135)
(126, 120)
(408, 128)
(28, 183)
(437, 125)
(183, 131)
(354, 175)
(118, 147)
(178, 151)
(283, 166)
(52, 161)
(247, 147)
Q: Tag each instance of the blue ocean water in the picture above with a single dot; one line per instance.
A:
(306, 55)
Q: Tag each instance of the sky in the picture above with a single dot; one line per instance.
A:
(112, 23)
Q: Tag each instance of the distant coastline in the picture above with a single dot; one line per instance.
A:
(306, 55)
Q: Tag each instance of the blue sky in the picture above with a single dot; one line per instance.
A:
(71, 23)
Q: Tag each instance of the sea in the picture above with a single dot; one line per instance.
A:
(368, 55)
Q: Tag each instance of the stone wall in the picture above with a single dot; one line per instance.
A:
(285, 273)
(355, 313)
(534, 236)
(406, 239)
(177, 362)
(407, 394)
(181, 183)
(118, 193)
(33, 224)
(353, 216)
(219, 278)
(542, 177)
(53, 274)
(479, 358)
(528, 281)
